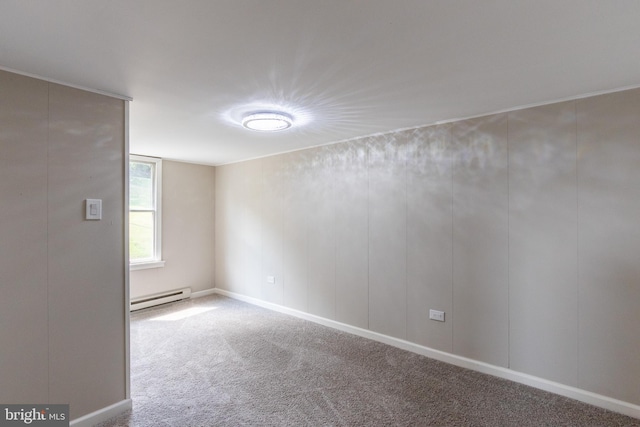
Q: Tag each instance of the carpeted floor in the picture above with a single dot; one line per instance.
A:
(231, 364)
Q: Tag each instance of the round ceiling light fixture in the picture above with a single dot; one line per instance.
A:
(267, 121)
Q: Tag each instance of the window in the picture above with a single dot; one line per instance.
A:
(145, 195)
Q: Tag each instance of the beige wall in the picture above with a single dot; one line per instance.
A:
(522, 227)
(62, 278)
(187, 232)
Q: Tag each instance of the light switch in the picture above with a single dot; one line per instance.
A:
(93, 209)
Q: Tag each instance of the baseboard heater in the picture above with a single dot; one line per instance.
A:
(161, 298)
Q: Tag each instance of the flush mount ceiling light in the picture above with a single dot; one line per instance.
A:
(267, 121)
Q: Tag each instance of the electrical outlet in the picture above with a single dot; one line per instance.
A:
(436, 315)
(271, 279)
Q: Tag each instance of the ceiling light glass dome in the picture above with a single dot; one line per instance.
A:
(267, 121)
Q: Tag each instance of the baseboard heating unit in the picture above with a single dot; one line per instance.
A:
(161, 298)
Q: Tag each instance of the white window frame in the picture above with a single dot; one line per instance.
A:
(156, 261)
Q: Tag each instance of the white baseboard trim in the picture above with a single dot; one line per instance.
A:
(204, 293)
(102, 415)
(581, 395)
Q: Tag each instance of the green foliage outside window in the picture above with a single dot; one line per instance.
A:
(141, 224)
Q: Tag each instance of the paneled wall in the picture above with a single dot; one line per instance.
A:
(543, 242)
(23, 236)
(481, 239)
(608, 130)
(521, 226)
(187, 232)
(62, 278)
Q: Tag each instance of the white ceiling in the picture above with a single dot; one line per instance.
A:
(343, 68)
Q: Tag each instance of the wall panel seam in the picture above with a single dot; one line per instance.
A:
(368, 159)
(47, 247)
(508, 245)
(406, 240)
(575, 106)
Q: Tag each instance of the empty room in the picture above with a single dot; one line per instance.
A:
(296, 212)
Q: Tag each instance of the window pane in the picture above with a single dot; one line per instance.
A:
(140, 236)
(140, 185)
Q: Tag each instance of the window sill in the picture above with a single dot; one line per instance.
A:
(146, 265)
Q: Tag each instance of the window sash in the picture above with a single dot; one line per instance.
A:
(146, 243)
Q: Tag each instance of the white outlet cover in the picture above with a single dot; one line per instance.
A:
(436, 315)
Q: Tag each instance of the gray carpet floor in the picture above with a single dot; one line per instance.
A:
(231, 364)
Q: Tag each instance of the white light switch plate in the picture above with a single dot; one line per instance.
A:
(93, 209)
(271, 279)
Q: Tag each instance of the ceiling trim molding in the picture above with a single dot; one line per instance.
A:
(87, 89)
